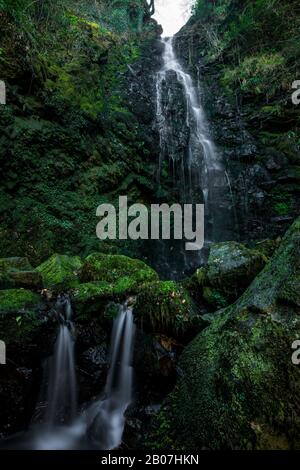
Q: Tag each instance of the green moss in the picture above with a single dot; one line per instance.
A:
(17, 300)
(214, 298)
(164, 306)
(60, 272)
(19, 318)
(111, 268)
(232, 267)
(109, 277)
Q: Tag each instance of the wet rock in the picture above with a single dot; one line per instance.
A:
(232, 267)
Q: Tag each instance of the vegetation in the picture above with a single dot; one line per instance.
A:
(67, 135)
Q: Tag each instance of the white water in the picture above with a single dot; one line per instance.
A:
(101, 425)
(57, 430)
(195, 120)
(108, 415)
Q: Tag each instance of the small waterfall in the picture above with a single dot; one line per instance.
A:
(185, 142)
(107, 416)
(62, 391)
(59, 429)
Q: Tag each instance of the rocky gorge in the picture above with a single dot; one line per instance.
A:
(212, 351)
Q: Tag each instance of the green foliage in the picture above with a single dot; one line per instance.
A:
(69, 139)
(256, 74)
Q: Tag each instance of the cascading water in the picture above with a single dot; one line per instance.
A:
(107, 416)
(58, 429)
(101, 425)
(62, 391)
(196, 165)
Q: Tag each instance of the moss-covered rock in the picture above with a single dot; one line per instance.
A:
(164, 307)
(60, 272)
(239, 387)
(232, 267)
(15, 264)
(111, 268)
(19, 319)
(17, 272)
(109, 277)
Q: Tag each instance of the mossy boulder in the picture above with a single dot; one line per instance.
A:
(111, 268)
(109, 277)
(232, 267)
(20, 316)
(165, 307)
(60, 272)
(239, 388)
(17, 272)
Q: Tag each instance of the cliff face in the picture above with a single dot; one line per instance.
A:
(75, 129)
(245, 60)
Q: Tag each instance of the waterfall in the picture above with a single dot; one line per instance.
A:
(185, 142)
(59, 428)
(62, 386)
(107, 416)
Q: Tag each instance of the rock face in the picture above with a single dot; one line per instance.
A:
(239, 387)
(257, 145)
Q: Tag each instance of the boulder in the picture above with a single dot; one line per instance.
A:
(60, 272)
(108, 278)
(19, 316)
(165, 307)
(17, 272)
(239, 387)
(112, 268)
(232, 267)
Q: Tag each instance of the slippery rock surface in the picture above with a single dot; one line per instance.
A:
(239, 387)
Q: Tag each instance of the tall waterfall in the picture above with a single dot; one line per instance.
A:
(185, 142)
(108, 415)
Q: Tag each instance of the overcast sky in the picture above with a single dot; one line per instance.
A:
(172, 14)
